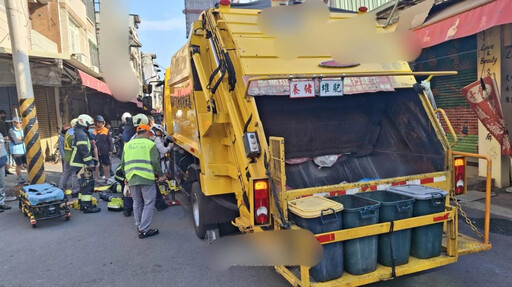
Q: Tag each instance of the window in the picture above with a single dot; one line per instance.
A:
(93, 51)
(89, 5)
(74, 38)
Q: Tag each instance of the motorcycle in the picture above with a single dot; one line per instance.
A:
(118, 144)
(56, 157)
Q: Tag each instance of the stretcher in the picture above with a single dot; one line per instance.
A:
(42, 201)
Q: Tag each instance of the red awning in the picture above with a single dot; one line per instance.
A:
(93, 83)
(98, 85)
(468, 23)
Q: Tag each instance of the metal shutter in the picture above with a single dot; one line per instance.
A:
(46, 117)
(40, 99)
(8, 101)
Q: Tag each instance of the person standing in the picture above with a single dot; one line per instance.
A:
(127, 127)
(17, 147)
(4, 130)
(3, 164)
(81, 158)
(162, 144)
(60, 142)
(140, 164)
(68, 173)
(102, 174)
(104, 145)
(151, 121)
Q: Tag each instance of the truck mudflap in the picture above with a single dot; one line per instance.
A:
(219, 208)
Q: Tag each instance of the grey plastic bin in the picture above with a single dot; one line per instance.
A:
(426, 240)
(393, 248)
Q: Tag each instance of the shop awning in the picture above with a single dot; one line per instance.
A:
(467, 23)
(93, 83)
(98, 85)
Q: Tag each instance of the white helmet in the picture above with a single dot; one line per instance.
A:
(158, 127)
(140, 119)
(84, 120)
(125, 116)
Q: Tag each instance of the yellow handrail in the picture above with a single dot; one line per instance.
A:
(449, 124)
(487, 219)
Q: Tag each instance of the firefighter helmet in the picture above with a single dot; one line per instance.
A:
(125, 116)
(84, 120)
(158, 127)
(140, 119)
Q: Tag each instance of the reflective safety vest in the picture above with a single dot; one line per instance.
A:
(82, 152)
(68, 141)
(137, 158)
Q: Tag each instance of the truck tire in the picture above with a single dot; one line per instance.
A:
(197, 200)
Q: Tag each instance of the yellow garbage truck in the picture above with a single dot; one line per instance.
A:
(261, 138)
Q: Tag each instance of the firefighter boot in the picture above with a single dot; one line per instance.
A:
(88, 207)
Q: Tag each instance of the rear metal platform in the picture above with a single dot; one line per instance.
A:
(382, 272)
(468, 245)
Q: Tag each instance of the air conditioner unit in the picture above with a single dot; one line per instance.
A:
(80, 57)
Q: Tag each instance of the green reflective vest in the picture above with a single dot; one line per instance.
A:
(137, 159)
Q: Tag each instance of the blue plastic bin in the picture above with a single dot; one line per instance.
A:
(319, 215)
(360, 255)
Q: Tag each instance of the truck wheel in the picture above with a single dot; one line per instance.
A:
(198, 199)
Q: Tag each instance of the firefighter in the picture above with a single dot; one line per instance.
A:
(68, 174)
(81, 159)
(127, 200)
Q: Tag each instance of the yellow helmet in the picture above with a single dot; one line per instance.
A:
(73, 122)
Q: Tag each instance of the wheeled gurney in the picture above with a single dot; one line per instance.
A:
(42, 201)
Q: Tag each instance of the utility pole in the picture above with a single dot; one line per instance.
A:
(18, 22)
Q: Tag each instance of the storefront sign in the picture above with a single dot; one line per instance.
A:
(483, 98)
(506, 85)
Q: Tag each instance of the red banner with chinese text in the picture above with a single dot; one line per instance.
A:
(486, 105)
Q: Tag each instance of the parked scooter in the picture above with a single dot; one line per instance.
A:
(56, 153)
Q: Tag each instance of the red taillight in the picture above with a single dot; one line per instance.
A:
(261, 205)
(459, 175)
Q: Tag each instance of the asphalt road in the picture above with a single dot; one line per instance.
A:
(103, 250)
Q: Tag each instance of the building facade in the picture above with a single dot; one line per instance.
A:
(65, 67)
(150, 75)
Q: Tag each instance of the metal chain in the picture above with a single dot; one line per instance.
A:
(463, 213)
